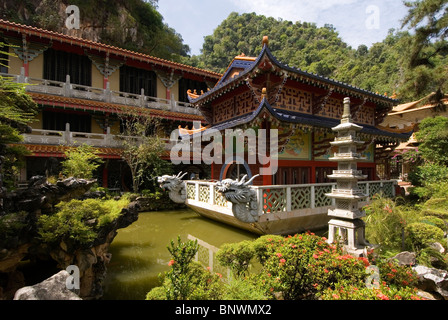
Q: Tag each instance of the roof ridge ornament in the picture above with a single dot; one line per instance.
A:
(265, 41)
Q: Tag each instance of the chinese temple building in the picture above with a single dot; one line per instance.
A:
(81, 88)
(405, 118)
(264, 93)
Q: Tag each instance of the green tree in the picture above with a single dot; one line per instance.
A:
(302, 45)
(81, 162)
(17, 110)
(433, 139)
(429, 20)
(426, 56)
(142, 147)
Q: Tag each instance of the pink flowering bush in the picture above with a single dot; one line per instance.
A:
(305, 266)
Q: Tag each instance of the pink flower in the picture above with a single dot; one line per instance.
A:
(282, 260)
(325, 270)
(382, 296)
(171, 262)
(279, 255)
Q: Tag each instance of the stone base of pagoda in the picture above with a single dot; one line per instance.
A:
(350, 233)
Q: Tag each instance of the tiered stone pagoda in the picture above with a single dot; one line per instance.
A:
(346, 224)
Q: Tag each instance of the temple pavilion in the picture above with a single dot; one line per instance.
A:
(263, 93)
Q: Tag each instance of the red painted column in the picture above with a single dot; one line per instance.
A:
(313, 174)
(168, 94)
(26, 66)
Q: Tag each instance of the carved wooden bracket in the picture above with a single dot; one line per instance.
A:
(168, 79)
(105, 66)
(27, 51)
(319, 102)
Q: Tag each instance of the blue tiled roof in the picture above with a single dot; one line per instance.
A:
(236, 64)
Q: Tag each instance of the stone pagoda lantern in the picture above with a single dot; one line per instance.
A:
(346, 224)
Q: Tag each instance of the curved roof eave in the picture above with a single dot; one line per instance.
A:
(328, 81)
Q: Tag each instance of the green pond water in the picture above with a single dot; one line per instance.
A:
(139, 252)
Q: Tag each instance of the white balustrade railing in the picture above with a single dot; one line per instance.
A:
(68, 89)
(67, 137)
(286, 198)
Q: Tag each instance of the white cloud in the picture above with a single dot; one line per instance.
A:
(293, 10)
(349, 17)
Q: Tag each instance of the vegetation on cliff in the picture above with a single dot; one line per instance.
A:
(132, 24)
(77, 222)
(386, 67)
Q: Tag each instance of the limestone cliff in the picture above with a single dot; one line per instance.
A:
(133, 24)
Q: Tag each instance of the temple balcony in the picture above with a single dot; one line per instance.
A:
(302, 199)
(71, 90)
(69, 138)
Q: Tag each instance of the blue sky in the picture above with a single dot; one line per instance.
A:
(357, 21)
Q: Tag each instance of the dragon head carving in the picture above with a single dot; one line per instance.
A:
(175, 186)
(236, 191)
(243, 198)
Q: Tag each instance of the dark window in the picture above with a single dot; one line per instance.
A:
(132, 80)
(57, 121)
(59, 64)
(294, 175)
(323, 173)
(368, 172)
(188, 84)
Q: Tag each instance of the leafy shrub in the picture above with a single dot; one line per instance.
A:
(345, 290)
(429, 173)
(236, 256)
(434, 221)
(385, 222)
(186, 278)
(244, 289)
(393, 274)
(431, 190)
(437, 206)
(421, 235)
(303, 266)
(299, 266)
(81, 162)
(432, 258)
(78, 222)
(433, 138)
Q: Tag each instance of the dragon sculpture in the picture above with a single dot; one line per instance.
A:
(175, 186)
(244, 199)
